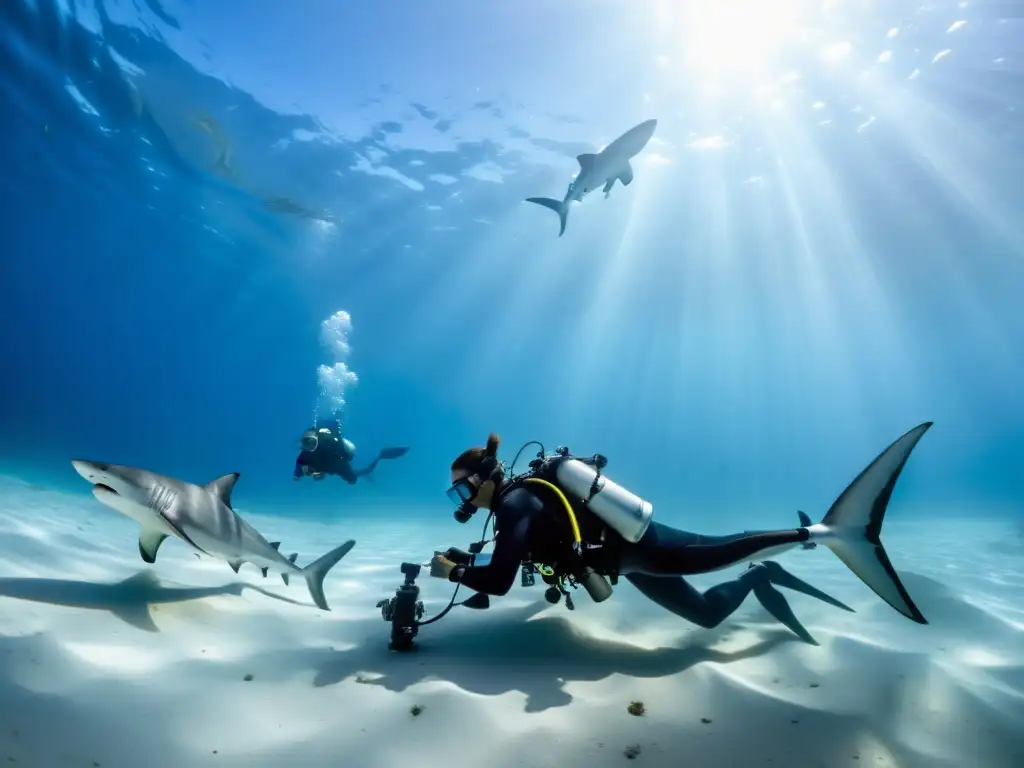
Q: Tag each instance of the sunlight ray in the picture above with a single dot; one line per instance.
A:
(809, 272)
(912, 118)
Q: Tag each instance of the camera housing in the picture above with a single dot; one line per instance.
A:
(404, 610)
(411, 571)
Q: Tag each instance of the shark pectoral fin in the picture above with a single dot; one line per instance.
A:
(626, 177)
(586, 160)
(222, 487)
(235, 564)
(149, 543)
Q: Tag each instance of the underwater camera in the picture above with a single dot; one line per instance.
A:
(405, 609)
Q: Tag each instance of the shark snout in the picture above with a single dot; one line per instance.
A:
(98, 474)
(90, 470)
(646, 129)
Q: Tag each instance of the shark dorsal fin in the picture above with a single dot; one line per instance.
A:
(222, 487)
(586, 160)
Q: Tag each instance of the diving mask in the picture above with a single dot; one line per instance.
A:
(462, 493)
(310, 440)
(463, 490)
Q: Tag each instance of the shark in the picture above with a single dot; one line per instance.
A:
(202, 517)
(601, 169)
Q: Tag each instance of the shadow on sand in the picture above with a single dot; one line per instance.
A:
(511, 653)
(128, 600)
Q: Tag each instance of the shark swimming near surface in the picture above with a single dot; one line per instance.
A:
(202, 517)
(606, 167)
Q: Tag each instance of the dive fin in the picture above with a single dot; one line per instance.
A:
(149, 543)
(562, 209)
(853, 526)
(222, 487)
(317, 570)
(780, 577)
(626, 177)
(775, 603)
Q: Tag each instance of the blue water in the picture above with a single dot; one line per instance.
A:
(222, 219)
(816, 256)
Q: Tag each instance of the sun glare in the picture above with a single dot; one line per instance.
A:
(737, 37)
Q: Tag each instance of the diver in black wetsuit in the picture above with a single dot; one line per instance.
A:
(326, 452)
(587, 540)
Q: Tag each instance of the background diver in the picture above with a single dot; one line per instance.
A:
(617, 537)
(326, 452)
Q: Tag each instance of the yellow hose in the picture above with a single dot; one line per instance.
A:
(568, 507)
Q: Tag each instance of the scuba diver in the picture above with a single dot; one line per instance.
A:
(568, 522)
(326, 452)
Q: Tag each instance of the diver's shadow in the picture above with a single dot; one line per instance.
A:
(510, 653)
(128, 600)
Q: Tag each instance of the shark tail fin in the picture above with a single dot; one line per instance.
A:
(562, 209)
(853, 526)
(317, 570)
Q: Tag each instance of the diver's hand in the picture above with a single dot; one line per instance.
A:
(441, 566)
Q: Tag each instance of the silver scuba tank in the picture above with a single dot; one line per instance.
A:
(350, 448)
(623, 510)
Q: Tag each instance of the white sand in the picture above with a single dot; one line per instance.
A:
(102, 666)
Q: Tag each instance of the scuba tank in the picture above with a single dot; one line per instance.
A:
(349, 447)
(622, 510)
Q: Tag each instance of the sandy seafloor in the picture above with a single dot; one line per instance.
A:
(105, 661)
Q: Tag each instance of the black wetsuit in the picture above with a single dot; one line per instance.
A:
(329, 458)
(332, 457)
(530, 528)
